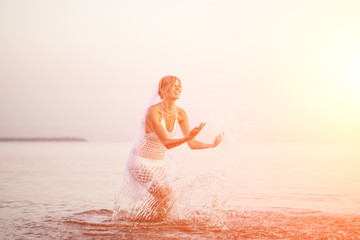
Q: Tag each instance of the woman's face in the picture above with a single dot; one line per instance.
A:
(175, 90)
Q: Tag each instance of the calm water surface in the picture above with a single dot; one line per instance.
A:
(239, 191)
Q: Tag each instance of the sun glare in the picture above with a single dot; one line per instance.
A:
(355, 69)
(346, 69)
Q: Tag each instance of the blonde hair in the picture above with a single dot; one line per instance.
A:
(166, 84)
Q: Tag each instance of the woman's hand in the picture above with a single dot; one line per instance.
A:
(195, 131)
(218, 140)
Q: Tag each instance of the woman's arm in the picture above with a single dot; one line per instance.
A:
(194, 144)
(154, 120)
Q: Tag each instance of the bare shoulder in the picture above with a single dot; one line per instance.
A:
(181, 114)
(154, 111)
(180, 110)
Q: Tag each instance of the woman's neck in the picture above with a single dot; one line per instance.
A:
(168, 105)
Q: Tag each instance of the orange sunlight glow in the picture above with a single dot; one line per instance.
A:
(355, 68)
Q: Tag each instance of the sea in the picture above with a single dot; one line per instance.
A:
(262, 190)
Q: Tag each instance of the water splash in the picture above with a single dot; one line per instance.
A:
(213, 222)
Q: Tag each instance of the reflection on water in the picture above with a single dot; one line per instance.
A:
(219, 224)
(252, 191)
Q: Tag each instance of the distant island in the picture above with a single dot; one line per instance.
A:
(42, 139)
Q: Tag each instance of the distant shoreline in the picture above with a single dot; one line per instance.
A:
(42, 139)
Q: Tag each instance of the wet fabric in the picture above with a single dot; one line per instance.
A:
(146, 172)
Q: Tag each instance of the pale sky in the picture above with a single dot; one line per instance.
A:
(263, 70)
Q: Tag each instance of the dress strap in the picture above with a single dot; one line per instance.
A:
(162, 112)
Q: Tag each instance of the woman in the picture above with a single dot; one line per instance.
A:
(146, 177)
